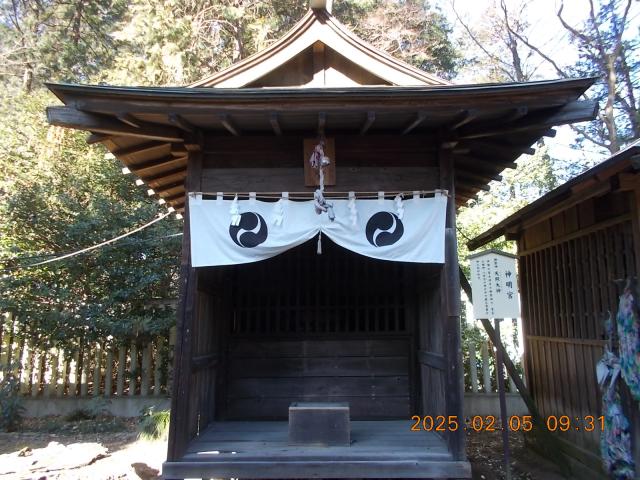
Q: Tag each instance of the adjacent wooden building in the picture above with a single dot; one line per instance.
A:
(577, 246)
(382, 336)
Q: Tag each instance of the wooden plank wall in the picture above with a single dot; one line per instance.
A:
(431, 345)
(212, 311)
(363, 163)
(572, 269)
(330, 327)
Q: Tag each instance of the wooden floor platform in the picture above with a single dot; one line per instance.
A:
(379, 449)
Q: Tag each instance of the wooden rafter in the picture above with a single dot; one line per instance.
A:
(498, 151)
(73, 118)
(227, 122)
(164, 178)
(128, 119)
(578, 111)
(140, 149)
(420, 117)
(142, 169)
(471, 185)
(480, 163)
(476, 176)
(171, 186)
(464, 117)
(179, 121)
(275, 123)
(174, 197)
(93, 138)
(371, 117)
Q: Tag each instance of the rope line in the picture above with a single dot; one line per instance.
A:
(102, 244)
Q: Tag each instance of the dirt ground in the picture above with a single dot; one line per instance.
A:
(109, 449)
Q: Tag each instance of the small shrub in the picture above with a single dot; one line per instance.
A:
(96, 407)
(11, 408)
(154, 425)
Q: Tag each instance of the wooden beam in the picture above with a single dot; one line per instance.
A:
(578, 111)
(141, 169)
(498, 150)
(171, 186)
(462, 119)
(161, 179)
(179, 121)
(481, 164)
(322, 123)
(471, 185)
(434, 360)
(72, 118)
(174, 197)
(275, 124)
(93, 138)
(371, 117)
(227, 123)
(179, 435)
(179, 149)
(515, 114)
(478, 177)
(420, 117)
(319, 67)
(139, 149)
(450, 311)
(128, 119)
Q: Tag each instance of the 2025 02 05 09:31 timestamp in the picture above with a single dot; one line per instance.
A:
(516, 423)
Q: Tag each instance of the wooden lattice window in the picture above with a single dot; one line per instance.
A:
(301, 292)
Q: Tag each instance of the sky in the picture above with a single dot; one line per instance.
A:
(547, 33)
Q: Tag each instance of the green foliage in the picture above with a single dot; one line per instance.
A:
(60, 195)
(154, 425)
(11, 407)
(55, 39)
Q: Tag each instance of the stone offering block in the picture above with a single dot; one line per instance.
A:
(319, 424)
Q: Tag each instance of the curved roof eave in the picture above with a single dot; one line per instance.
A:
(319, 25)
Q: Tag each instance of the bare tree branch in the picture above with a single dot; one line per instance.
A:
(474, 38)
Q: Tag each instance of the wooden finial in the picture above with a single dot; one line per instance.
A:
(321, 5)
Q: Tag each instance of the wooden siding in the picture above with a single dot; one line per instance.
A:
(573, 267)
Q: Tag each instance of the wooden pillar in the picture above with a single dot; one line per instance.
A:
(157, 366)
(473, 367)
(97, 372)
(145, 371)
(451, 309)
(122, 360)
(133, 369)
(181, 388)
(108, 374)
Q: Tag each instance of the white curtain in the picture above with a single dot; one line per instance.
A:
(407, 231)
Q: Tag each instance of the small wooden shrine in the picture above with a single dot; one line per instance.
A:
(382, 336)
(578, 246)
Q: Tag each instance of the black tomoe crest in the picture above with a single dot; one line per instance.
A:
(384, 229)
(250, 232)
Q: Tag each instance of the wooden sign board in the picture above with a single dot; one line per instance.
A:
(312, 175)
(494, 285)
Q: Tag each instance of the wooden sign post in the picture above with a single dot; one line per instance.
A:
(494, 289)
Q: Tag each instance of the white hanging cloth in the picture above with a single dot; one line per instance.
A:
(416, 235)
